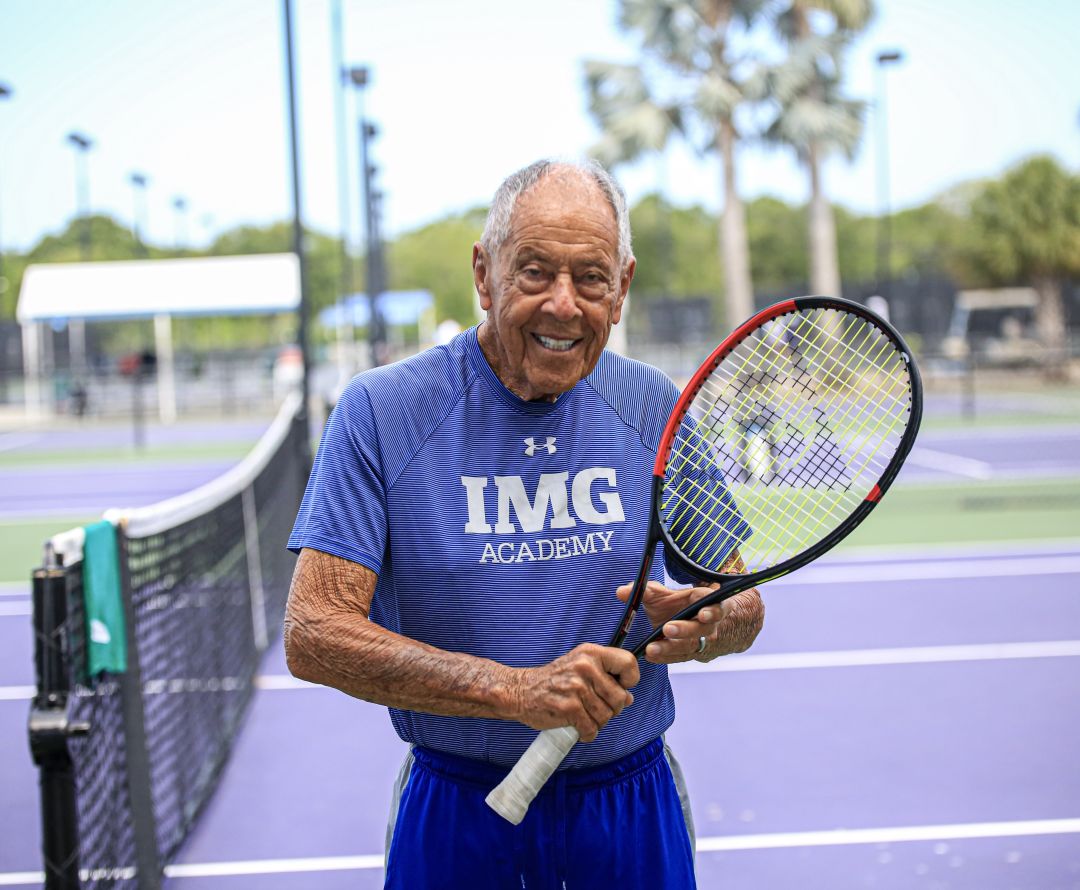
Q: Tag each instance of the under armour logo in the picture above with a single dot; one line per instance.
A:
(531, 442)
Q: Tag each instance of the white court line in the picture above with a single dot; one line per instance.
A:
(930, 570)
(792, 839)
(10, 610)
(958, 465)
(273, 866)
(16, 693)
(937, 551)
(21, 878)
(846, 836)
(276, 682)
(869, 657)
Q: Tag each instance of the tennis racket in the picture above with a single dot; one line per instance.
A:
(780, 445)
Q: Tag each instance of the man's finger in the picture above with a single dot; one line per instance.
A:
(620, 663)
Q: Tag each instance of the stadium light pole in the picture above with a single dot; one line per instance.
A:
(82, 145)
(77, 326)
(378, 324)
(139, 182)
(359, 77)
(373, 285)
(297, 224)
(346, 346)
(5, 93)
(884, 226)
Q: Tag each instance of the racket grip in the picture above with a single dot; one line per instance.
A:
(512, 796)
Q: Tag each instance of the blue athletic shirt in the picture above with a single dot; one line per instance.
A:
(497, 527)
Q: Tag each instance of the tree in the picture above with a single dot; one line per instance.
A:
(108, 241)
(436, 258)
(1026, 228)
(812, 115)
(688, 40)
(675, 249)
(777, 244)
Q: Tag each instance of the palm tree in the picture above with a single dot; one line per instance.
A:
(688, 41)
(813, 116)
(1026, 229)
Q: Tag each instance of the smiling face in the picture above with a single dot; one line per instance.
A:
(554, 288)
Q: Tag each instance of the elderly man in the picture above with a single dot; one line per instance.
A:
(469, 518)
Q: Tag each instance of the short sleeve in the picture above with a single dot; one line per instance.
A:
(344, 507)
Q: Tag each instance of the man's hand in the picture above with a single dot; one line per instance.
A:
(584, 688)
(730, 626)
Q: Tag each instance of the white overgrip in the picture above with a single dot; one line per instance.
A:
(512, 796)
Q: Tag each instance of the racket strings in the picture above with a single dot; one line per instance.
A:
(786, 438)
(811, 472)
(771, 361)
(803, 514)
(823, 463)
(802, 525)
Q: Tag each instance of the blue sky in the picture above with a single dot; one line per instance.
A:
(464, 91)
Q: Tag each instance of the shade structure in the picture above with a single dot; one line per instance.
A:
(129, 289)
(59, 293)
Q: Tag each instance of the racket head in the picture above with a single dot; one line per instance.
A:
(784, 440)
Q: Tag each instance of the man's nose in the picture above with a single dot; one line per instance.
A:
(563, 300)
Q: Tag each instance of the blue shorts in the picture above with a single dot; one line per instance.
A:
(620, 825)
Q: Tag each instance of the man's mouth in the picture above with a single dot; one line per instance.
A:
(555, 344)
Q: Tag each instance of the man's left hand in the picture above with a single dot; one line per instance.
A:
(730, 626)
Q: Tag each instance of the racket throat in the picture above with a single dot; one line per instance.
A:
(637, 593)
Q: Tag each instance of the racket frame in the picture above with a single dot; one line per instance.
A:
(732, 584)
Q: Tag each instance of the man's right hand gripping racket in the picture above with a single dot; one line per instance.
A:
(781, 444)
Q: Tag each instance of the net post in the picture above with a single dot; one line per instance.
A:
(144, 824)
(49, 730)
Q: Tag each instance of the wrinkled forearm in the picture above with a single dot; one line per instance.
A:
(330, 640)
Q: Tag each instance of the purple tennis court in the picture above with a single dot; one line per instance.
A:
(905, 720)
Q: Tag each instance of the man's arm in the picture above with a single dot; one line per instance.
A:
(330, 640)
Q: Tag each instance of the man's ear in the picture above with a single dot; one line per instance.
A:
(624, 288)
(481, 270)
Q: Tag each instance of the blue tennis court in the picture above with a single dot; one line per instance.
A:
(906, 719)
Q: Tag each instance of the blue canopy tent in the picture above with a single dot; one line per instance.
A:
(397, 307)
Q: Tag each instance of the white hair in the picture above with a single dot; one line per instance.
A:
(497, 227)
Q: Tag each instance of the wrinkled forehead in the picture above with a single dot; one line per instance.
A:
(565, 198)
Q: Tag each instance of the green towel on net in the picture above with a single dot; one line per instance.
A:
(106, 642)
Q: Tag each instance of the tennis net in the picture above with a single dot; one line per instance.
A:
(127, 759)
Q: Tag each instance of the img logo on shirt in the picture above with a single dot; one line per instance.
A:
(592, 494)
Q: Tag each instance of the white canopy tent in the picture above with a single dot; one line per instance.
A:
(157, 289)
